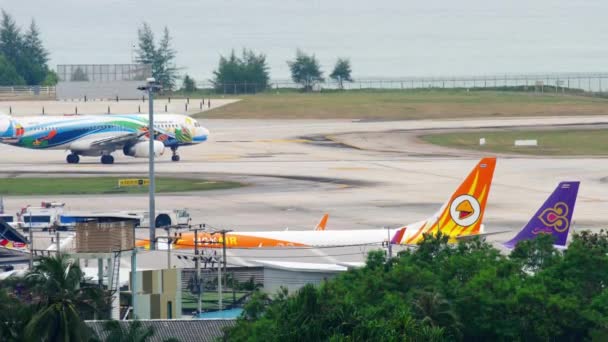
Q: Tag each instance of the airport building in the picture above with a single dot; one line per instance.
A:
(101, 81)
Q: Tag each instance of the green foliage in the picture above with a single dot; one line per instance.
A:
(50, 303)
(305, 70)
(14, 316)
(50, 79)
(8, 74)
(161, 59)
(23, 53)
(440, 292)
(246, 74)
(189, 85)
(341, 72)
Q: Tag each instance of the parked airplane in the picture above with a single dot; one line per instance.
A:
(554, 216)
(461, 215)
(101, 135)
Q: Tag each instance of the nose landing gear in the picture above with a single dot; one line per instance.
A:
(175, 156)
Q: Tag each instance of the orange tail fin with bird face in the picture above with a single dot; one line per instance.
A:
(463, 214)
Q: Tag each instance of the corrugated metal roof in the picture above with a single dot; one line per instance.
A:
(301, 266)
(184, 330)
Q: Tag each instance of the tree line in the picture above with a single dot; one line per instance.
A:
(24, 61)
(23, 57)
(250, 73)
(439, 292)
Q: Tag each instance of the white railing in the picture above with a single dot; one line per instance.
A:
(10, 92)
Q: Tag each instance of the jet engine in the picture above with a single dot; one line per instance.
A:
(141, 149)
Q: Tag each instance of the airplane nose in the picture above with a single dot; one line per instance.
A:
(202, 133)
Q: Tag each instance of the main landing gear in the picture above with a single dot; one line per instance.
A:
(72, 158)
(175, 156)
(107, 159)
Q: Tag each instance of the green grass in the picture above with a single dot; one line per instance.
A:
(101, 185)
(209, 300)
(407, 104)
(550, 142)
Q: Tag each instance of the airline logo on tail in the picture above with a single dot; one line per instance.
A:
(463, 213)
(553, 217)
(465, 210)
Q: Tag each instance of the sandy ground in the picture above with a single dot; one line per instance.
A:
(295, 175)
(178, 106)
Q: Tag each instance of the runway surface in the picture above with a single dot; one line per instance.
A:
(296, 170)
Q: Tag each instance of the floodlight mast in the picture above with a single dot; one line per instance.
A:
(151, 86)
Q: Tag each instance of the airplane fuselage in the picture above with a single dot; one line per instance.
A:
(95, 135)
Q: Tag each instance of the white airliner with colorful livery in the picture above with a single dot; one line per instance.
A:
(101, 135)
(461, 216)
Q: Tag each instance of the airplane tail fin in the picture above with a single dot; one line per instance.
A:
(322, 223)
(9, 127)
(398, 236)
(553, 217)
(463, 213)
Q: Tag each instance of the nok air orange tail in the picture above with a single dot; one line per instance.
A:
(462, 215)
(322, 223)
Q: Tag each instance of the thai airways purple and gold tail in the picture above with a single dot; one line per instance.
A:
(462, 215)
(554, 216)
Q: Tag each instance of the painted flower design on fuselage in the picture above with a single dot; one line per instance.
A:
(183, 135)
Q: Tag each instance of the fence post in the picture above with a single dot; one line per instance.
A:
(139, 108)
(42, 110)
(108, 109)
(76, 110)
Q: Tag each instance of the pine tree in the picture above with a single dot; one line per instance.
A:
(146, 51)
(241, 75)
(24, 52)
(189, 85)
(342, 72)
(10, 38)
(161, 59)
(166, 55)
(33, 45)
(305, 70)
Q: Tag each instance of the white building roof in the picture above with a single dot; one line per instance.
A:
(301, 266)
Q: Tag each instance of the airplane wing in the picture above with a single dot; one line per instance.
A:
(482, 235)
(117, 140)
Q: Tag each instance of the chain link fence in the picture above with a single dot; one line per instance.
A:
(582, 83)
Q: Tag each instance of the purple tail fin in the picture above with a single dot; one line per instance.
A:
(554, 216)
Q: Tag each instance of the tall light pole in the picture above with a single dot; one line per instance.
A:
(151, 87)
